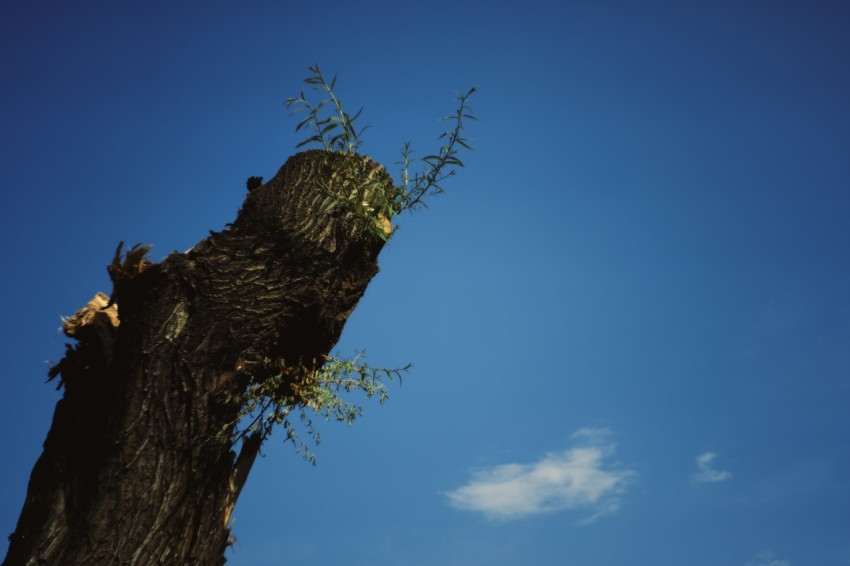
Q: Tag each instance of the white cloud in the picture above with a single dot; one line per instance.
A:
(576, 478)
(767, 558)
(706, 473)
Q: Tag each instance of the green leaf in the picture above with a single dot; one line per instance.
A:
(309, 140)
(306, 121)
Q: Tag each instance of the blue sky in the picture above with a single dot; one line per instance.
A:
(629, 316)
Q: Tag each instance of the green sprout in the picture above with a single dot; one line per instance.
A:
(336, 132)
(276, 390)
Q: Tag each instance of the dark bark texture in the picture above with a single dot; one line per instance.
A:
(135, 469)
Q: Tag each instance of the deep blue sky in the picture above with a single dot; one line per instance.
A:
(629, 316)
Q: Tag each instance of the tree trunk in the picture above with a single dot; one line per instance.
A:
(135, 468)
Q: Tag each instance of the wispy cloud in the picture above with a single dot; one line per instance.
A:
(767, 558)
(575, 478)
(706, 472)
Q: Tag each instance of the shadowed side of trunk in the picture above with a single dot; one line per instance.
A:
(135, 468)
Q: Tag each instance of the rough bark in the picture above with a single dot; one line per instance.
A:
(135, 469)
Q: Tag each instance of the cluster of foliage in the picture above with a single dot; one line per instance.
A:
(279, 390)
(336, 131)
(362, 197)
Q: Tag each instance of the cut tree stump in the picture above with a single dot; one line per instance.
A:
(135, 468)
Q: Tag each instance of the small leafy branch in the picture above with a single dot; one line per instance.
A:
(337, 133)
(282, 389)
(439, 166)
